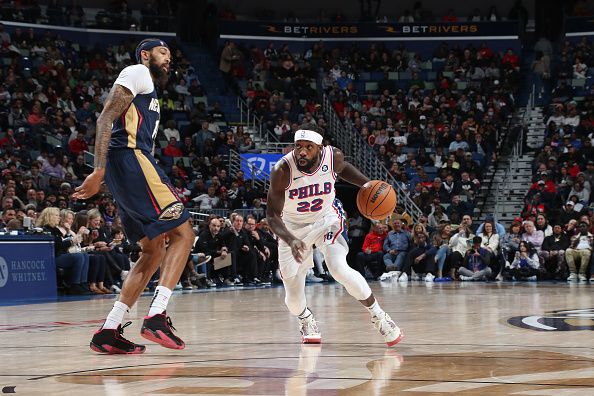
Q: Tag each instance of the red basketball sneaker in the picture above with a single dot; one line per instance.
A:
(112, 341)
(158, 328)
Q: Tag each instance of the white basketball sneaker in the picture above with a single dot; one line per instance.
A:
(388, 329)
(310, 333)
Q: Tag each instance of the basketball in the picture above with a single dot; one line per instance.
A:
(376, 200)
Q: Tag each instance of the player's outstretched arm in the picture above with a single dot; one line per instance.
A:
(117, 102)
(279, 180)
(347, 171)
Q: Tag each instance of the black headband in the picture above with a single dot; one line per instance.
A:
(149, 45)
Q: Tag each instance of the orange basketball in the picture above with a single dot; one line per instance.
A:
(376, 200)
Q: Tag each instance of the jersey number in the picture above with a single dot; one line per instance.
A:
(314, 206)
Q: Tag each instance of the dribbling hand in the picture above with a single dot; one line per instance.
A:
(298, 249)
(90, 186)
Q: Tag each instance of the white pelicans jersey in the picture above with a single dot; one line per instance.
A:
(310, 196)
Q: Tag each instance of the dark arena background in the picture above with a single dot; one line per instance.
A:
(480, 116)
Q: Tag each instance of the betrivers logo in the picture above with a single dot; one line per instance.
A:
(563, 320)
(3, 272)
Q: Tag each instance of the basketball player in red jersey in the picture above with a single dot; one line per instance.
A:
(302, 211)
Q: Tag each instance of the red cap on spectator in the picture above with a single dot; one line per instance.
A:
(518, 219)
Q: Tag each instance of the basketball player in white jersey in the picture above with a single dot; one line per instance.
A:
(302, 211)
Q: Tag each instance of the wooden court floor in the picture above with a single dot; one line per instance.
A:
(460, 339)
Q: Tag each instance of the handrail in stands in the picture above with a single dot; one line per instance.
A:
(361, 155)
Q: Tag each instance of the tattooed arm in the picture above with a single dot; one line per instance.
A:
(117, 102)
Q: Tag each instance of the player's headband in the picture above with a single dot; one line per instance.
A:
(305, 134)
(149, 45)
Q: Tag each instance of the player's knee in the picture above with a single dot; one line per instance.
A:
(153, 249)
(182, 232)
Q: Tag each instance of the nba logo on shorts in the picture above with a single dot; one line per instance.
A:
(3, 272)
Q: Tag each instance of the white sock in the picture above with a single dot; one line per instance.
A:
(375, 309)
(116, 315)
(160, 300)
(306, 313)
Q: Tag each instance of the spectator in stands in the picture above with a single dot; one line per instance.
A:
(75, 263)
(541, 66)
(211, 244)
(52, 168)
(580, 69)
(421, 258)
(489, 238)
(208, 200)
(96, 263)
(492, 14)
(201, 137)
(456, 210)
(510, 59)
(260, 250)
(526, 263)
(458, 246)
(583, 195)
(171, 131)
(437, 217)
(244, 253)
(396, 246)
(79, 145)
(568, 213)
(450, 16)
(440, 240)
(552, 254)
(542, 224)
(229, 56)
(532, 235)
(476, 262)
(270, 241)
(369, 261)
(100, 237)
(8, 214)
(172, 150)
(580, 248)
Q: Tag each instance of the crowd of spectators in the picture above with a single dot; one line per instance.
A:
(155, 15)
(373, 11)
(433, 121)
(558, 211)
(51, 93)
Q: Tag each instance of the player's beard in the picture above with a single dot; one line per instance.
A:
(156, 70)
(308, 167)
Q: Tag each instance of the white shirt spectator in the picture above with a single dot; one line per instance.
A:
(171, 132)
(573, 121)
(557, 119)
(205, 201)
(579, 70)
(584, 242)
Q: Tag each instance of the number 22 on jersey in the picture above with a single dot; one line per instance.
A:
(313, 206)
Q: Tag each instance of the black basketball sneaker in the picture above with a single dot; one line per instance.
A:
(158, 328)
(112, 341)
